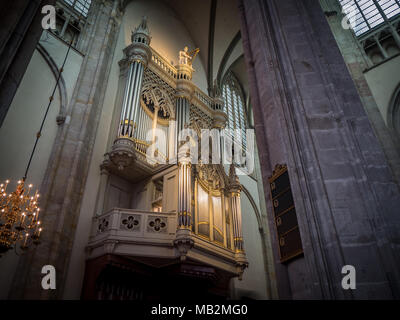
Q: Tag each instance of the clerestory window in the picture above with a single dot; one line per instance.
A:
(365, 15)
(235, 108)
(81, 6)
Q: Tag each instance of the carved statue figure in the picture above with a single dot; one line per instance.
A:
(186, 57)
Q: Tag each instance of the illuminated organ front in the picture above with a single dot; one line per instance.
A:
(156, 206)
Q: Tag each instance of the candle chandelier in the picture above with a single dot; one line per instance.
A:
(19, 217)
(19, 212)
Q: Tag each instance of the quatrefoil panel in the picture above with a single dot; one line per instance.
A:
(157, 224)
(130, 222)
(103, 225)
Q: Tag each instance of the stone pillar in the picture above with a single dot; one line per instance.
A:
(308, 114)
(137, 56)
(357, 61)
(62, 191)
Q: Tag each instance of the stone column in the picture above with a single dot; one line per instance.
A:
(137, 56)
(67, 170)
(357, 61)
(308, 115)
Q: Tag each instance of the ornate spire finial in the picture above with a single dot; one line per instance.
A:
(142, 27)
(142, 30)
(143, 24)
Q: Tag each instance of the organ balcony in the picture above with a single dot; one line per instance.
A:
(148, 237)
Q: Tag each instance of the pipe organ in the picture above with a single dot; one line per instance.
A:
(183, 211)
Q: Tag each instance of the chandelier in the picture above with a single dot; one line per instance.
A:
(19, 217)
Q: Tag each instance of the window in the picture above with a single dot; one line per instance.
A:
(81, 6)
(234, 107)
(365, 15)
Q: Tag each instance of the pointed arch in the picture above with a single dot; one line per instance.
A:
(62, 88)
(393, 115)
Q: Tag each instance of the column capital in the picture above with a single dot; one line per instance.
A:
(219, 119)
(184, 158)
(184, 89)
(138, 52)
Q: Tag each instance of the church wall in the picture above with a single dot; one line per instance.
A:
(18, 132)
(383, 81)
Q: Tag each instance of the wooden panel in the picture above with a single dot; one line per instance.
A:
(170, 192)
(286, 223)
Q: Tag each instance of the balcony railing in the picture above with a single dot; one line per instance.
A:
(122, 224)
(163, 64)
(147, 234)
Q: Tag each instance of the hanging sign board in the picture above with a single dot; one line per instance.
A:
(286, 224)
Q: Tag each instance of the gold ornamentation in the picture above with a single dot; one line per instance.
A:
(19, 217)
(186, 57)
